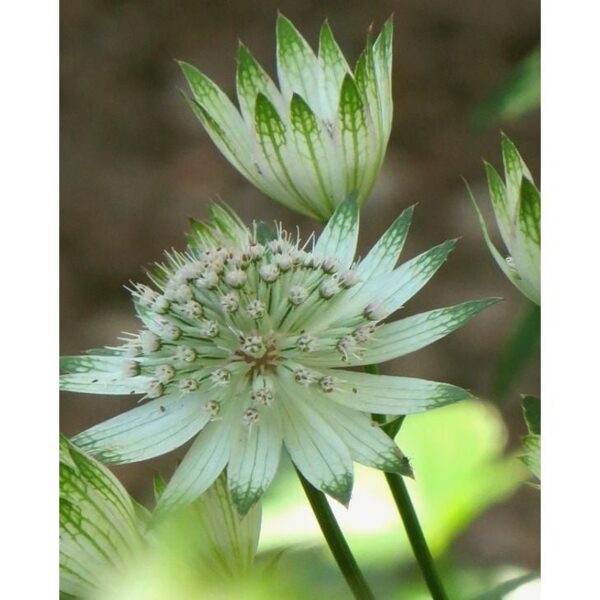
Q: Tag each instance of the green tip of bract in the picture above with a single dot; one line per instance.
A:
(316, 136)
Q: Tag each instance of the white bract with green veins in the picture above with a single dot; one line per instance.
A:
(517, 206)
(245, 342)
(318, 137)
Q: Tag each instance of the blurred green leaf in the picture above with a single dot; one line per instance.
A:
(517, 94)
(523, 345)
(533, 441)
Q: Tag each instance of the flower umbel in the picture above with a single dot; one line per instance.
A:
(244, 342)
(517, 206)
(318, 137)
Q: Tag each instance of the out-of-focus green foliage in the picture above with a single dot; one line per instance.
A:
(523, 345)
(517, 94)
(457, 456)
(532, 441)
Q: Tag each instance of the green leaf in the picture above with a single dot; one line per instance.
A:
(340, 236)
(99, 529)
(523, 344)
(532, 414)
(158, 486)
(532, 442)
(517, 94)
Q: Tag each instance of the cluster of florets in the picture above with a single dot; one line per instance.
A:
(240, 312)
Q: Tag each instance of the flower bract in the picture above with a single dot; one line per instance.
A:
(517, 207)
(246, 342)
(316, 138)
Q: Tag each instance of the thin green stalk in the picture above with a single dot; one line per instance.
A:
(336, 541)
(409, 515)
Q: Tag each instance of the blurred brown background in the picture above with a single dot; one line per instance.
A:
(135, 164)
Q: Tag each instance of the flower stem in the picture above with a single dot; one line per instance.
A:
(336, 541)
(409, 515)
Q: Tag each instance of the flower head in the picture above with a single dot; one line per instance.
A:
(318, 137)
(517, 206)
(259, 363)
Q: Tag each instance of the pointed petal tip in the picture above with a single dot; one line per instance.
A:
(340, 489)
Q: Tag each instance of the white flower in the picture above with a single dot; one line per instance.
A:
(517, 206)
(317, 138)
(257, 380)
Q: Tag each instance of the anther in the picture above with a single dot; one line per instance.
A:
(230, 302)
(188, 384)
(170, 332)
(297, 295)
(193, 309)
(185, 354)
(254, 346)
(221, 376)
(374, 312)
(364, 332)
(255, 309)
(213, 408)
(327, 383)
(209, 328)
(130, 368)
(303, 376)
(236, 278)
(250, 416)
(150, 342)
(306, 343)
(160, 305)
(329, 288)
(208, 280)
(164, 373)
(154, 389)
(269, 272)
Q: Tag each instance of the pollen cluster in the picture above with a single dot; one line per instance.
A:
(237, 314)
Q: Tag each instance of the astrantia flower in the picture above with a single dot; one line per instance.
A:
(517, 207)
(245, 341)
(316, 139)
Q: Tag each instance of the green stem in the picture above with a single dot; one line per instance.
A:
(336, 541)
(409, 515)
